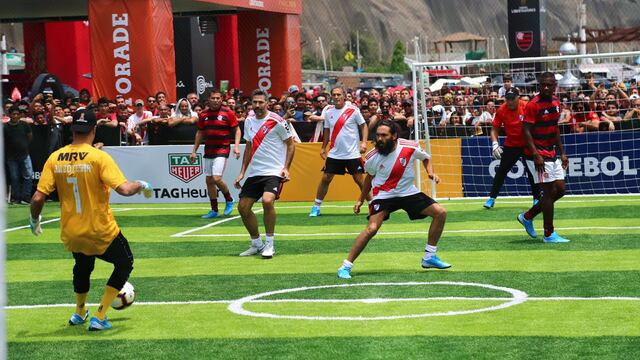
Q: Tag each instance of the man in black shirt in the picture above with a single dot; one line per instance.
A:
(17, 136)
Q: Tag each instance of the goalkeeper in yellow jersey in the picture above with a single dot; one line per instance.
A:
(83, 176)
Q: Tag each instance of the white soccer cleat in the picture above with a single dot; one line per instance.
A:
(268, 251)
(252, 251)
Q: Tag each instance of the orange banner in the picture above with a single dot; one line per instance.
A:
(269, 52)
(132, 48)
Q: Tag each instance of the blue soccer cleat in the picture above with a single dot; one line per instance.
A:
(535, 202)
(554, 238)
(96, 324)
(77, 319)
(528, 225)
(435, 262)
(344, 272)
(490, 202)
(210, 215)
(228, 208)
(315, 211)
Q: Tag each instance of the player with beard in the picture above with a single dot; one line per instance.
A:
(267, 158)
(390, 175)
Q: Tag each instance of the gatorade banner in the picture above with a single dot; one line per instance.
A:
(269, 51)
(132, 53)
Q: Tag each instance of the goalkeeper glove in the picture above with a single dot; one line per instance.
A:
(34, 224)
(146, 189)
(496, 150)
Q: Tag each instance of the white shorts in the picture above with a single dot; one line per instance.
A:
(552, 171)
(214, 166)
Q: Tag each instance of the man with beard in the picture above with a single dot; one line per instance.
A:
(267, 158)
(390, 175)
(343, 124)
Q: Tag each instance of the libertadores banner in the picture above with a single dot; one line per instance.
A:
(132, 48)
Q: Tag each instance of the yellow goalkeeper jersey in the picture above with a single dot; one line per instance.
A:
(83, 177)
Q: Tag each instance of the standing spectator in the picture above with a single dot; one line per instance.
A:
(610, 116)
(84, 98)
(137, 124)
(320, 103)
(161, 97)
(507, 82)
(152, 105)
(193, 99)
(215, 127)
(266, 162)
(17, 136)
(542, 137)
(343, 124)
(157, 127)
(183, 114)
(509, 116)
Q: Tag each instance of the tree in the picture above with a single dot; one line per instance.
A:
(397, 59)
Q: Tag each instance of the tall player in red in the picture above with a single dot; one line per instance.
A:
(266, 162)
(390, 175)
(344, 124)
(510, 115)
(542, 137)
(216, 125)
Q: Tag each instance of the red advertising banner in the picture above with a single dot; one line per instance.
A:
(132, 48)
(269, 52)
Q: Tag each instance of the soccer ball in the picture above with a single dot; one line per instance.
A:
(125, 297)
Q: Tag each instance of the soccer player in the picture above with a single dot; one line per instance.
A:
(343, 123)
(542, 137)
(83, 175)
(215, 126)
(267, 157)
(509, 114)
(390, 172)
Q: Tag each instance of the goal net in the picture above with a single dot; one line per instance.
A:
(599, 122)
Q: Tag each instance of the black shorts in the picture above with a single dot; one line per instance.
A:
(255, 186)
(339, 167)
(412, 204)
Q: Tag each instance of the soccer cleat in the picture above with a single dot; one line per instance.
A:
(528, 225)
(554, 238)
(535, 202)
(77, 319)
(228, 208)
(210, 215)
(23, 202)
(490, 202)
(96, 324)
(435, 262)
(268, 251)
(344, 272)
(252, 251)
(315, 211)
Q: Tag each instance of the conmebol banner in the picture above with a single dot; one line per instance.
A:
(599, 163)
(132, 48)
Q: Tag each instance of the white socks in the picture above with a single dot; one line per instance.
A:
(269, 239)
(429, 251)
(346, 263)
(317, 202)
(257, 242)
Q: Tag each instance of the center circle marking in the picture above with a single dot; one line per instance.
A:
(517, 297)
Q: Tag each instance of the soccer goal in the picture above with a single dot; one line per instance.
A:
(599, 122)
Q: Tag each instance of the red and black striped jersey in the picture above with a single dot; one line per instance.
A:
(217, 126)
(544, 116)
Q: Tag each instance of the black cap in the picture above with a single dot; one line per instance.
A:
(83, 121)
(512, 93)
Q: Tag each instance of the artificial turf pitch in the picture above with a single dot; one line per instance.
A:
(582, 298)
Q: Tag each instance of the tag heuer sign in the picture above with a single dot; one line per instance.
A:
(181, 167)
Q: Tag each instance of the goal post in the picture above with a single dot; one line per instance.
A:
(599, 121)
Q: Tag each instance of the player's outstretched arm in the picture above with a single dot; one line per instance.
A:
(135, 187)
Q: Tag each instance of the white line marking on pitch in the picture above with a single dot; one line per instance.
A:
(364, 301)
(181, 234)
(410, 232)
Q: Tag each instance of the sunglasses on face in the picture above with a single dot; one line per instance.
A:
(151, 101)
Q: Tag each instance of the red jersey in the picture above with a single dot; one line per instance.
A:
(217, 126)
(512, 121)
(544, 116)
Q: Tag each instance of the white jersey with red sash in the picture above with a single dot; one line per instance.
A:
(344, 134)
(267, 137)
(393, 174)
